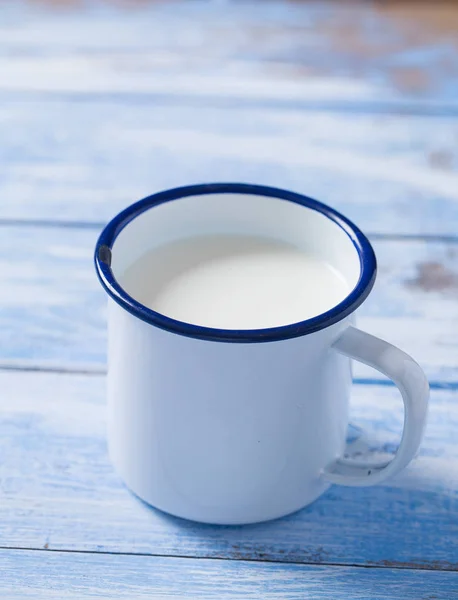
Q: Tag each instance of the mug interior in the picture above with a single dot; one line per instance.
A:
(235, 209)
(238, 214)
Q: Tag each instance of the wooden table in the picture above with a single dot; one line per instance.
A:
(355, 104)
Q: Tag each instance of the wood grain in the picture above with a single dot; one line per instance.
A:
(82, 162)
(43, 575)
(52, 308)
(363, 53)
(58, 489)
(103, 103)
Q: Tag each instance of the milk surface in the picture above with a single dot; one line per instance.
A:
(234, 282)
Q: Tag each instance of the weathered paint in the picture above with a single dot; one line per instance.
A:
(43, 575)
(69, 160)
(313, 52)
(59, 490)
(103, 103)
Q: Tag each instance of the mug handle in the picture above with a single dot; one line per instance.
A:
(413, 385)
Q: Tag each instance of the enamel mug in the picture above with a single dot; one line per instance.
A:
(239, 426)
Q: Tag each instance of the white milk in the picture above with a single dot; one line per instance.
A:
(234, 282)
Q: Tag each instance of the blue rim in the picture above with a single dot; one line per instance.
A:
(337, 313)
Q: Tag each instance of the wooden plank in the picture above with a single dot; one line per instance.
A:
(52, 308)
(359, 52)
(72, 161)
(62, 575)
(60, 492)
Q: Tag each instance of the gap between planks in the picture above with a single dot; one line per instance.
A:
(98, 226)
(375, 566)
(412, 108)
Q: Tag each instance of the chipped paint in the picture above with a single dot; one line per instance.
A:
(434, 277)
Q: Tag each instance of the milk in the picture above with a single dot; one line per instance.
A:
(234, 282)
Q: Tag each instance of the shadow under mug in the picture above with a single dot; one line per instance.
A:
(241, 426)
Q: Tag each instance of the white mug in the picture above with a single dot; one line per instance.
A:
(241, 426)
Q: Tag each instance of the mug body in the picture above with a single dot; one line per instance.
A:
(227, 426)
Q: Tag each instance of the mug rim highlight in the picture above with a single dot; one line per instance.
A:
(355, 298)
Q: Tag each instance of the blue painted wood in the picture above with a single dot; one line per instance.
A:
(52, 308)
(311, 52)
(42, 575)
(99, 106)
(76, 161)
(63, 575)
(59, 491)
